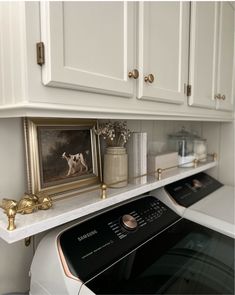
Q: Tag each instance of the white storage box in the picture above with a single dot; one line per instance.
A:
(163, 161)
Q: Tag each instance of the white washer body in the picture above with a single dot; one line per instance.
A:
(215, 211)
(48, 276)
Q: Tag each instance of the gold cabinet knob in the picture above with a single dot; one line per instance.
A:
(149, 78)
(134, 74)
(218, 96)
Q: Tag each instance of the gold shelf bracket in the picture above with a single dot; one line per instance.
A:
(27, 241)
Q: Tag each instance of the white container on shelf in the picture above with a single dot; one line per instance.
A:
(137, 157)
(116, 167)
(200, 149)
(186, 161)
(163, 161)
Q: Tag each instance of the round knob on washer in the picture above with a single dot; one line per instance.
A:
(129, 222)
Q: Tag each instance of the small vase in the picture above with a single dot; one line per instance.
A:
(115, 167)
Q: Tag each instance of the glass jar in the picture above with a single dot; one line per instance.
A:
(183, 142)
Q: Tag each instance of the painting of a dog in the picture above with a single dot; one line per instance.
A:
(62, 154)
(76, 163)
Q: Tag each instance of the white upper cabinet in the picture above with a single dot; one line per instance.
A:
(226, 58)
(89, 46)
(211, 65)
(163, 51)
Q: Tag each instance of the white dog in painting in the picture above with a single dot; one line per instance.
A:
(76, 163)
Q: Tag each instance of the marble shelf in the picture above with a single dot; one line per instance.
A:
(81, 205)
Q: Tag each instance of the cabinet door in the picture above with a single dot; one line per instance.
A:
(226, 63)
(163, 50)
(88, 46)
(203, 53)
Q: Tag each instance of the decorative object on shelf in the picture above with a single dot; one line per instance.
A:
(26, 205)
(45, 202)
(164, 160)
(137, 157)
(62, 154)
(30, 203)
(183, 142)
(115, 167)
(10, 209)
(200, 149)
(116, 135)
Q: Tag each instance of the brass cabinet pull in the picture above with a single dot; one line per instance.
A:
(149, 78)
(134, 74)
(218, 96)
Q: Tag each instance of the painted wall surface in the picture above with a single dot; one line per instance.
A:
(15, 259)
(227, 151)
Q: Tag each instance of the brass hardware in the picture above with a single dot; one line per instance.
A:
(10, 209)
(134, 74)
(27, 204)
(189, 90)
(40, 53)
(27, 241)
(45, 202)
(149, 78)
(219, 96)
(159, 174)
(215, 157)
(7, 204)
(31, 203)
(195, 163)
(103, 191)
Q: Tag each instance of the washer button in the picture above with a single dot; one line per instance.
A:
(129, 222)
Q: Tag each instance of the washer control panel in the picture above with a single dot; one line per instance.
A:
(105, 238)
(136, 219)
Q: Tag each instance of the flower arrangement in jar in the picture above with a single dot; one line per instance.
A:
(115, 135)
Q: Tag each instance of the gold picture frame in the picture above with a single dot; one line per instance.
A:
(62, 154)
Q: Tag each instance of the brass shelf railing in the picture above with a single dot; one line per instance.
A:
(31, 203)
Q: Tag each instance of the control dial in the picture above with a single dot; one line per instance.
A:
(129, 222)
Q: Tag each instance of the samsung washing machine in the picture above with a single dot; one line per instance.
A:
(141, 247)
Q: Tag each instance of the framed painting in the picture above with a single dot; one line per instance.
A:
(62, 154)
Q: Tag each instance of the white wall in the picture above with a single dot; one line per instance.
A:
(227, 159)
(15, 259)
